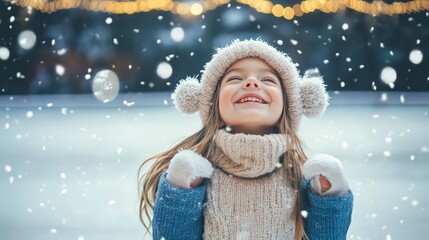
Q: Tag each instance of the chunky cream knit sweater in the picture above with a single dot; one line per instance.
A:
(247, 196)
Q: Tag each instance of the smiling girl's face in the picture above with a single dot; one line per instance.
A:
(250, 97)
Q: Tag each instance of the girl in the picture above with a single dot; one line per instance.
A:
(258, 183)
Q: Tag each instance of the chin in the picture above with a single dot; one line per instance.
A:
(252, 125)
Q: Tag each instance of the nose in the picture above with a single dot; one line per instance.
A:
(251, 82)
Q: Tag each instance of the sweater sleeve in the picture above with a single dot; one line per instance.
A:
(328, 217)
(178, 213)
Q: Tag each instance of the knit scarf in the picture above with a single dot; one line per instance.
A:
(247, 196)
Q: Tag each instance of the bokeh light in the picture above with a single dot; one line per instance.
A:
(60, 70)
(388, 75)
(4, 53)
(164, 70)
(27, 39)
(177, 34)
(416, 56)
(105, 85)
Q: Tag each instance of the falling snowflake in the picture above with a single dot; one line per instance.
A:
(304, 214)
(29, 114)
(386, 154)
(177, 34)
(416, 56)
(60, 70)
(27, 39)
(164, 70)
(388, 75)
(8, 168)
(4, 53)
(105, 86)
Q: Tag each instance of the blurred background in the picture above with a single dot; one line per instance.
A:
(85, 98)
(61, 52)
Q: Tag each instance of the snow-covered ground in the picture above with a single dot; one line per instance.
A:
(69, 163)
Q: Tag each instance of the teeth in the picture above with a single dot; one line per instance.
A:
(250, 99)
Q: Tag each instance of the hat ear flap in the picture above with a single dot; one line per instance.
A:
(186, 95)
(313, 96)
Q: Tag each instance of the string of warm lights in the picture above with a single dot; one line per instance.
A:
(330, 6)
(124, 7)
(196, 8)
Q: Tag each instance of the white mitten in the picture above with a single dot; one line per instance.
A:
(187, 165)
(329, 167)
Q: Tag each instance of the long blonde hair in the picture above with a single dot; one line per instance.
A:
(202, 143)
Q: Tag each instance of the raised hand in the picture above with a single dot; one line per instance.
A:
(326, 175)
(187, 169)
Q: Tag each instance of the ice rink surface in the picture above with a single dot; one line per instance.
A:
(68, 164)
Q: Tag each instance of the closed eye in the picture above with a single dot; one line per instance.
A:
(269, 80)
(234, 78)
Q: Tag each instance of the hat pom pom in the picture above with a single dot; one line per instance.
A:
(186, 95)
(313, 95)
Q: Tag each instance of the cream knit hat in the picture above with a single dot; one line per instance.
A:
(306, 96)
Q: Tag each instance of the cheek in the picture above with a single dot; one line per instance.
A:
(225, 101)
(277, 98)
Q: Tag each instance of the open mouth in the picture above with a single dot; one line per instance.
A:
(251, 99)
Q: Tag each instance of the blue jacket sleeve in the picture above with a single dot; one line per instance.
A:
(178, 213)
(328, 217)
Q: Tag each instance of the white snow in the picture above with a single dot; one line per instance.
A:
(29, 114)
(4, 53)
(388, 75)
(106, 86)
(177, 34)
(416, 56)
(8, 168)
(164, 70)
(60, 70)
(62, 51)
(94, 177)
(387, 154)
(228, 129)
(27, 39)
